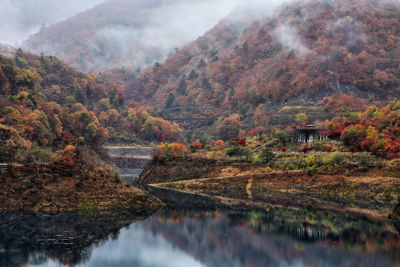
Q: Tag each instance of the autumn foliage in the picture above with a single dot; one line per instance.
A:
(240, 141)
(219, 144)
(65, 158)
(168, 152)
(197, 145)
(344, 52)
(375, 130)
(50, 105)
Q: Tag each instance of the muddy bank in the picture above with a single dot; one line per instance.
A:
(69, 183)
(371, 196)
(185, 169)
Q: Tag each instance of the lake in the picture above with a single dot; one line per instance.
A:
(198, 234)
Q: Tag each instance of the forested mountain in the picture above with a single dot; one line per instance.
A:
(129, 33)
(46, 105)
(306, 52)
(337, 54)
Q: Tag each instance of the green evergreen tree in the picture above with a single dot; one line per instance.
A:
(182, 86)
(170, 100)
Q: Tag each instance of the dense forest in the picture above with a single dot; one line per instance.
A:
(375, 130)
(46, 105)
(307, 53)
(336, 56)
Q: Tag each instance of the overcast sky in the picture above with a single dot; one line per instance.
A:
(21, 18)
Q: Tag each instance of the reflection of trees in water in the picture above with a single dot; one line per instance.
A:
(261, 238)
(67, 238)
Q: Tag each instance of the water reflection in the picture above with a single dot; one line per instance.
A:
(221, 237)
(259, 238)
(67, 238)
(139, 247)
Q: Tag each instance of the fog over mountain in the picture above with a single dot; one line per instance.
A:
(21, 18)
(132, 33)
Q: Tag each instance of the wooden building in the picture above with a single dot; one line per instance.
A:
(309, 133)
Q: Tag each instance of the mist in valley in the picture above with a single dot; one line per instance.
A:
(122, 33)
(21, 18)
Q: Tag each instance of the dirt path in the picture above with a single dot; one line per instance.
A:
(248, 188)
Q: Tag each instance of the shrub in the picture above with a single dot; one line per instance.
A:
(234, 150)
(219, 144)
(267, 156)
(305, 149)
(197, 145)
(332, 159)
(167, 152)
(281, 137)
(240, 141)
(310, 170)
(65, 158)
(41, 154)
(366, 161)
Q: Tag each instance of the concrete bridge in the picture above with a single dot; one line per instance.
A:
(130, 161)
(173, 109)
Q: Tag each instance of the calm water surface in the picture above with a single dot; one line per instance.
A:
(192, 237)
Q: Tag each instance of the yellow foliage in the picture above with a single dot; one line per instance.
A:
(174, 150)
(372, 133)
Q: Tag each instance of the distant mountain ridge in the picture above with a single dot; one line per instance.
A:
(126, 33)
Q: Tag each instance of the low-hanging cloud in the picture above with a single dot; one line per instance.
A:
(123, 41)
(21, 18)
(288, 37)
(170, 26)
(251, 10)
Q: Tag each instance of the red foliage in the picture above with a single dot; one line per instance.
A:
(336, 133)
(283, 149)
(374, 131)
(241, 141)
(347, 123)
(67, 138)
(329, 149)
(197, 145)
(305, 149)
(368, 145)
(251, 133)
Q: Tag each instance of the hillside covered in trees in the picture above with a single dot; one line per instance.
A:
(332, 56)
(309, 52)
(46, 106)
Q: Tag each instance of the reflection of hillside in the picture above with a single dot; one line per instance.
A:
(228, 238)
(67, 237)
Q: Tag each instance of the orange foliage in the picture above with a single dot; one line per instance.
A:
(65, 158)
(375, 131)
(197, 145)
(167, 151)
